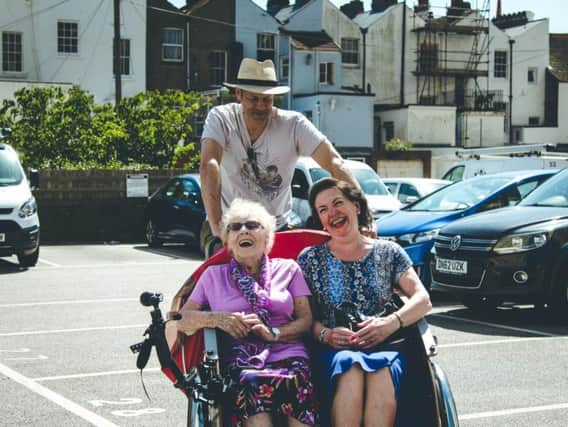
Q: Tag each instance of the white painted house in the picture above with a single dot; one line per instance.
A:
(325, 76)
(71, 42)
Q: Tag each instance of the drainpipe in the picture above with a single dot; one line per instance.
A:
(290, 69)
(364, 77)
(402, 55)
(511, 43)
(188, 56)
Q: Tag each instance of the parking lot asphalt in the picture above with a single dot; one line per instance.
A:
(66, 326)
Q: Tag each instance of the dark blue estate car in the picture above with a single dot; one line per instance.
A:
(517, 254)
(415, 226)
(175, 212)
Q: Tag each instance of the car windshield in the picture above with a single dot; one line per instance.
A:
(429, 186)
(369, 181)
(553, 192)
(461, 195)
(10, 172)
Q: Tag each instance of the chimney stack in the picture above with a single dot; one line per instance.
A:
(353, 8)
(381, 5)
(274, 6)
(498, 8)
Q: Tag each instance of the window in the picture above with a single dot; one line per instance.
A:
(428, 60)
(349, 51)
(217, 67)
(326, 73)
(531, 75)
(500, 64)
(389, 130)
(284, 67)
(265, 47)
(309, 115)
(67, 37)
(124, 58)
(534, 120)
(12, 51)
(172, 45)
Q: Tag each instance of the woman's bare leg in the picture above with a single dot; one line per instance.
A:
(380, 405)
(293, 422)
(259, 420)
(347, 406)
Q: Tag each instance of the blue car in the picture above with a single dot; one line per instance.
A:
(415, 226)
(175, 212)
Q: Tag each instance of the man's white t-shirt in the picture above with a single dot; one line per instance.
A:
(261, 171)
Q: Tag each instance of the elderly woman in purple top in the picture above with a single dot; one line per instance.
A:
(262, 305)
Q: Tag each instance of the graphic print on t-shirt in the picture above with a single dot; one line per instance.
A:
(265, 182)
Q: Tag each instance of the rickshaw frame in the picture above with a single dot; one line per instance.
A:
(192, 362)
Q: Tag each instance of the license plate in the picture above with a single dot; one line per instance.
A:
(2, 237)
(452, 266)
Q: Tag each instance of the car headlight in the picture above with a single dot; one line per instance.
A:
(521, 242)
(423, 236)
(29, 208)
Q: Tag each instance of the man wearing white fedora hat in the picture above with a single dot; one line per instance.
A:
(249, 149)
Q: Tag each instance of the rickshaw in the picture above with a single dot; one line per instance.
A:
(192, 362)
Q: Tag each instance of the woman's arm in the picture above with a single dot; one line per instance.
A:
(375, 330)
(418, 303)
(193, 319)
(294, 330)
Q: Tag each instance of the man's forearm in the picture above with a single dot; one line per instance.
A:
(211, 193)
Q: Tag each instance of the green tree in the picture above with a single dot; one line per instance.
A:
(157, 123)
(57, 128)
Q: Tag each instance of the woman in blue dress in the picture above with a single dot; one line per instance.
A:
(358, 382)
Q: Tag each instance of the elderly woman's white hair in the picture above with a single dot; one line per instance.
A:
(240, 209)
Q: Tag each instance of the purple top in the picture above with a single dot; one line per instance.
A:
(216, 289)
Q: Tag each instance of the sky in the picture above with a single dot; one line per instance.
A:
(555, 10)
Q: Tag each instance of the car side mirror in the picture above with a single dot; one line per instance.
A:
(409, 199)
(34, 179)
(299, 192)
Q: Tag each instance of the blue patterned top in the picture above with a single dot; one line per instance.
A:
(368, 283)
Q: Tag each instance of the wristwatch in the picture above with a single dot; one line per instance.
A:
(276, 332)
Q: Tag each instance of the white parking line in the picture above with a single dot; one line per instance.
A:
(95, 374)
(497, 325)
(44, 261)
(83, 301)
(503, 341)
(65, 403)
(124, 264)
(63, 331)
(505, 412)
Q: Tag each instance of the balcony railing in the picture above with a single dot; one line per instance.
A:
(491, 100)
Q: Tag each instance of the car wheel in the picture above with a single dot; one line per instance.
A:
(29, 260)
(152, 235)
(480, 303)
(212, 246)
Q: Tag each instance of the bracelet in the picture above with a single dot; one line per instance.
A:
(400, 322)
(322, 334)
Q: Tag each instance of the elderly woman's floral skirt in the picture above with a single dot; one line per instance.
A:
(283, 388)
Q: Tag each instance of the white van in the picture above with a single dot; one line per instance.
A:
(308, 171)
(19, 221)
(488, 165)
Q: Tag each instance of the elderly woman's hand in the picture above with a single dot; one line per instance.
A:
(238, 325)
(374, 331)
(340, 338)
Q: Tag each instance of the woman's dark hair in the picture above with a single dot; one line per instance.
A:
(352, 193)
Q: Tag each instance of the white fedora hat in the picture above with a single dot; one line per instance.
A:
(258, 77)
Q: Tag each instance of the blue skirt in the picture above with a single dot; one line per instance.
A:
(329, 363)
